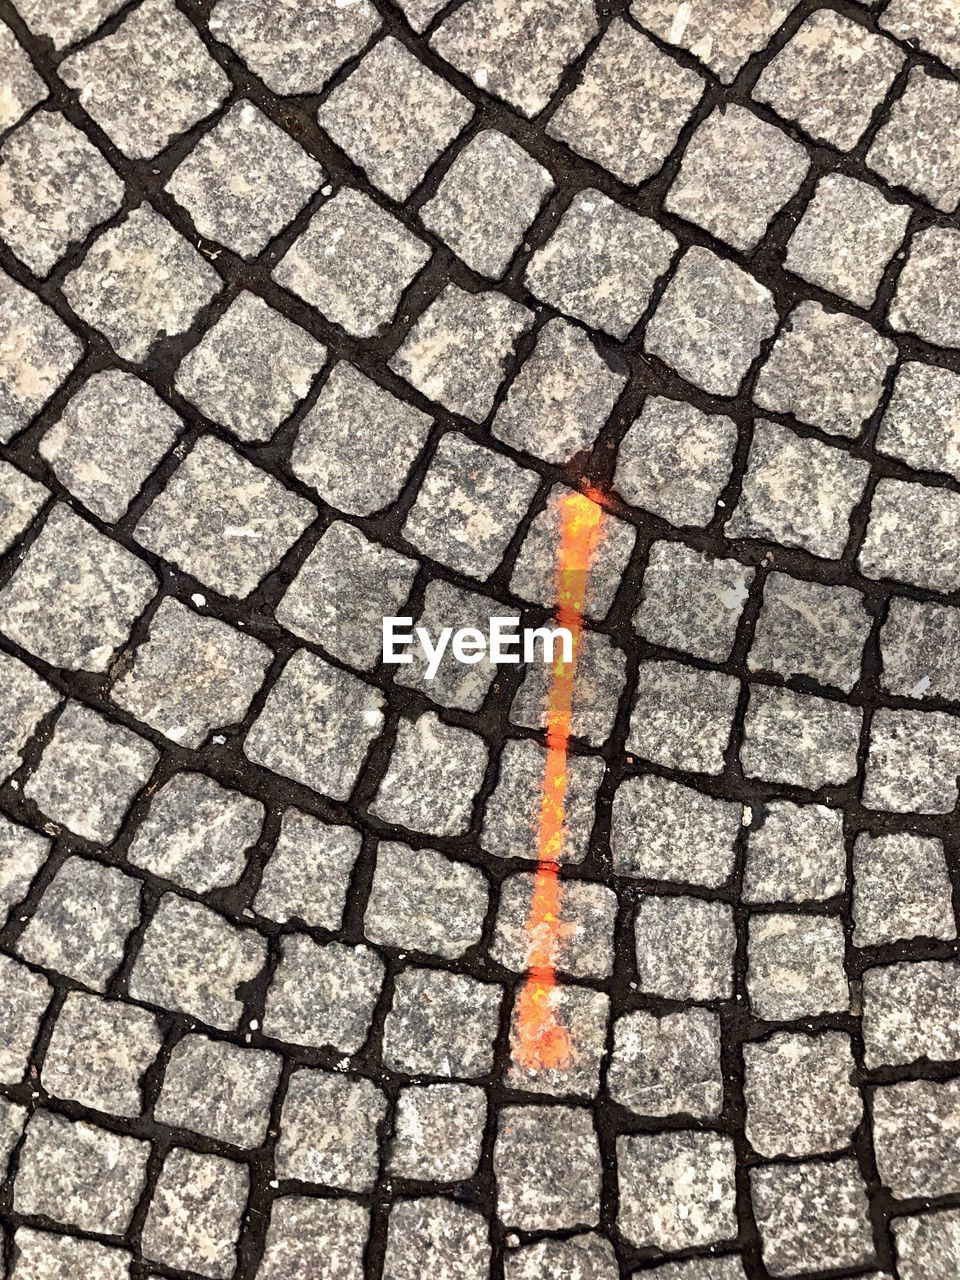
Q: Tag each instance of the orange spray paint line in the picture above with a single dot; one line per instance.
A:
(540, 1041)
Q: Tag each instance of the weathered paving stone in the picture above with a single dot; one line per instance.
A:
(24, 701)
(441, 1024)
(580, 1257)
(798, 492)
(24, 997)
(795, 967)
(810, 629)
(323, 993)
(343, 591)
(433, 777)
(547, 1167)
(711, 322)
(90, 772)
(925, 302)
(141, 282)
(682, 717)
(303, 1229)
(811, 1216)
(685, 948)
(509, 823)
(584, 1014)
(669, 1065)
(456, 684)
(420, 13)
(356, 466)
(915, 1133)
(20, 500)
(796, 855)
(920, 648)
(561, 397)
(909, 1012)
(919, 424)
(708, 1268)
(147, 82)
(676, 1189)
(601, 263)
(721, 37)
(830, 78)
(194, 1217)
(662, 830)
(308, 873)
(194, 961)
(913, 762)
(98, 1054)
(250, 369)
(393, 117)
(37, 351)
(79, 1175)
(827, 369)
(737, 173)
(584, 947)
(629, 105)
(800, 1094)
(43, 1256)
(437, 1133)
(328, 1130)
(675, 461)
(927, 1245)
(690, 601)
(219, 1090)
(66, 26)
(846, 238)
(436, 1235)
(920, 907)
(520, 53)
(486, 201)
(931, 24)
(22, 853)
(601, 676)
(40, 162)
(421, 900)
(914, 148)
(23, 88)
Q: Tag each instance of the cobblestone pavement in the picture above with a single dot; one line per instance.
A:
(309, 313)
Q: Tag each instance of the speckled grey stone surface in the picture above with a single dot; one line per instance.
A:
(52, 1257)
(438, 1129)
(323, 993)
(914, 148)
(913, 762)
(921, 903)
(581, 1257)
(927, 1243)
(909, 536)
(195, 1213)
(662, 1066)
(303, 1229)
(915, 1131)
(682, 716)
(691, 602)
(921, 423)
(677, 1189)
(685, 948)
(601, 677)
(791, 1200)
(431, 781)
(795, 966)
(436, 1234)
(585, 943)
(808, 629)
(795, 855)
(328, 1130)
(662, 830)
(920, 648)
(23, 87)
(421, 901)
(909, 1012)
(584, 1014)
(37, 351)
(441, 1024)
(933, 26)
(719, 36)
(25, 999)
(22, 852)
(455, 684)
(925, 302)
(25, 700)
(308, 873)
(547, 1165)
(799, 739)
(219, 1090)
(20, 500)
(800, 1094)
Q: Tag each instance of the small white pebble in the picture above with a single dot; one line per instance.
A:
(198, 599)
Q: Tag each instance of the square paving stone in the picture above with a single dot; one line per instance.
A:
(584, 943)
(342, 592)
(737, 173)
(328, 1130)
(676, 1189)
(193, 961)
(108, 439)
(691, 601)
(601, 675)
(909, 1012)
(197, 833)
(800, 1094)
(99, 1052)
(914, 148)
(353, 263)
(219, 1090)
(323, 994)
(561, 397)
(486, 201)
(79, 1175)
(250, 369)
(675, 461)
(191, 675)
(42, 1256)
(810, 629)
(921, 424)
(664, 1066)
(195, 1214)
(433, 777)
(292, 48)
(901, 890)
(846, 238)
(423, 901)
(661, 830)
(795, 967)
(303, 1229)
(24, 701)
(826, 369)
(830, 78)
(520, 53)
(798, 492)
(148, 81)
(798, 739)
(925, 303)
(601, 263)
(24, 997)
(920, 647)
(308, 873)
(582, 1257)
(927, 1245)
(20, 500)
(547, 1168)
(796, 855)
(706, 1268)
(39, 163)
(66, 26)
(74, 597)
(316, 726)
(457, 351)
(24, 88)
(685, 948)
(682, 717)
(456, 684)
(811, 1216)
(141, 282)
(628, 106)
(436, 1235)
(441, 1024)
(438, 1131)
(913, 762)
(358, 442)
(719, 36)
(244, 180)
(393, 117)
(711, 322)
(584, 1015)
(916, 1127)
(223, 520)
(37, 351)
(931, 24)
(22, 854)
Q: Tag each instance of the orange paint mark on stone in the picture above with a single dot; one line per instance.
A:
(540, 1041)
